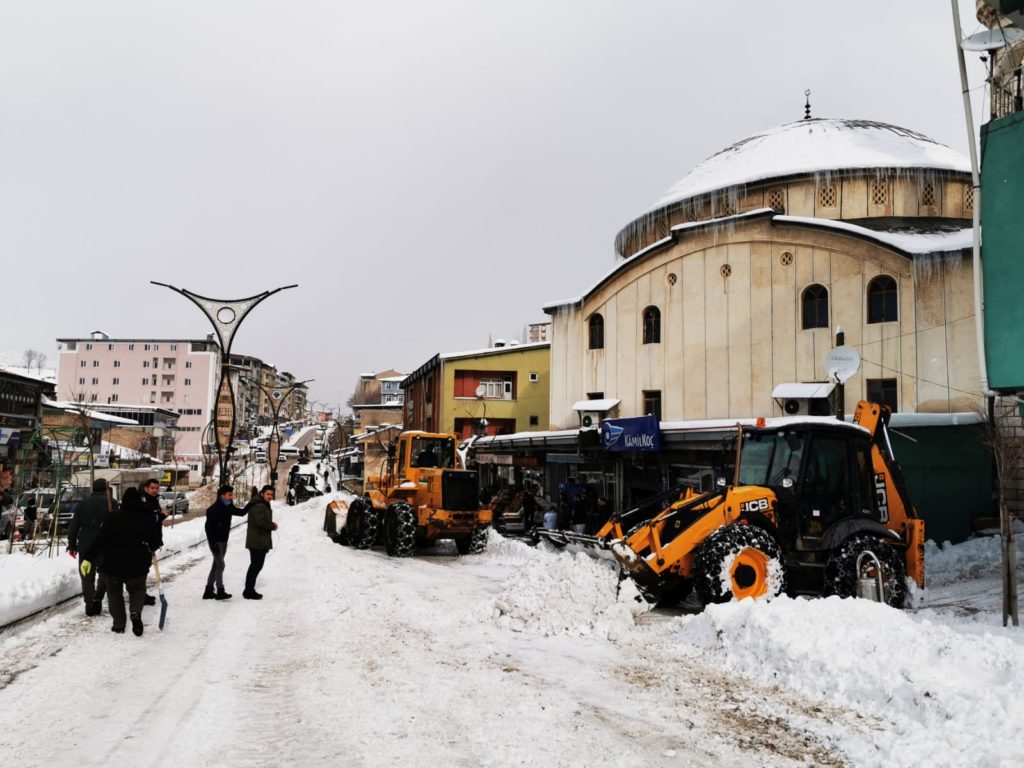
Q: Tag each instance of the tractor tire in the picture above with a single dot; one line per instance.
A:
(400, 530)
(738, 561)
(363, 524)
(841, 569)
(474, 543)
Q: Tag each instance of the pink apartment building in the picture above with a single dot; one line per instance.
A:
(177, 374)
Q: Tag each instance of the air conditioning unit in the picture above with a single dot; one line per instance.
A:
(806, 399)
(808, 406)
(590, 419)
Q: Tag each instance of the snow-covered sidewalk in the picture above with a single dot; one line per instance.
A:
(520, 656)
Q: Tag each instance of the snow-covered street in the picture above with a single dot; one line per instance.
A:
(520, 656)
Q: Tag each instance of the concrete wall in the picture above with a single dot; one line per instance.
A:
(726, 341)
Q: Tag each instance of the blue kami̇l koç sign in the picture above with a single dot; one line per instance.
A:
(641, 433)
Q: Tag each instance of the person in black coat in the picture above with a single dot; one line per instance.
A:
(85, 525)
(124, 546)
(218, 529)
(150, 493)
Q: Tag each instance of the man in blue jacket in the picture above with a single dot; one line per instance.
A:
(218, 529)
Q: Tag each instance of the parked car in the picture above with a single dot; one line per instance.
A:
(174, 502)
(260, 456)
(43, 500)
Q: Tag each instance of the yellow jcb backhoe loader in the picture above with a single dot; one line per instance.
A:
(815, 505)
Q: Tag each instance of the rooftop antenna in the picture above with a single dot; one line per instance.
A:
(807, 104)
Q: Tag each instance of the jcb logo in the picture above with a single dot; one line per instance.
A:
(882, 498)
(757, 505)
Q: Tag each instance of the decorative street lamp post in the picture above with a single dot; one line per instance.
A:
(277, 396)
(225, 315)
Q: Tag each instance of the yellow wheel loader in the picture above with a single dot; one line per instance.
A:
(817, 506)
(420, 497)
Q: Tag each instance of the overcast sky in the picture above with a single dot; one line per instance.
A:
(430, 173)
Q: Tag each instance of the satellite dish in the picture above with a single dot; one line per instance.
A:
(842, 362)
(481, 391)
(992, 39)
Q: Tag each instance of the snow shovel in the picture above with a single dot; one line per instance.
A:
(160, 590)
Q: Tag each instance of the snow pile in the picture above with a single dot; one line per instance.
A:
(943, 690)
(30, 583)
(974, 559)
(560, 593)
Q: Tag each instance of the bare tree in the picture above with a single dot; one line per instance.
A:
(40, 361)
(1005, 440)
(30, 356)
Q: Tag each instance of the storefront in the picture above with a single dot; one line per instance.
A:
(21, 400)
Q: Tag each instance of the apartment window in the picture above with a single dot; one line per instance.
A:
(95, 363)
(652, 325)
(146, 347)
(152, 397)
(496, 389)
(596, 331)
(117, 363)
(652, 403)
(174, 347)
(595, 395)
(188, 363)
(116, 382)
(882, 391)
(88, 347)
(110, 347)
(81, 397)
(81, 363)
(95, 381)
(113, 398)
(883, 300)
(92, 398)
(145, 381)
(187, 399)
(156, 347)
(814, 303)
(145, 363)
(131, 347)
(534, 376)
(534, 421)
(188, 382)
(81, 382)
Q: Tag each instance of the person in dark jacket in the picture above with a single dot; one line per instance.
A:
(125, 543)
(218, 529)
(85, 525)
(258, 539)
(150, 493)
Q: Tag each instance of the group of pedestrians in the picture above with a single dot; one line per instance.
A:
(115, 543)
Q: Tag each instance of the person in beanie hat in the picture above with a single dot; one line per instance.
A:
(257, 539)
(218, 529)
(85, 525)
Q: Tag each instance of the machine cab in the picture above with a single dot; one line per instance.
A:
(820, 474)
(420, 450)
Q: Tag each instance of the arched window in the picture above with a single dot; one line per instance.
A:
(883, 300)
(596, 328)
(814, 303)
(652, 325)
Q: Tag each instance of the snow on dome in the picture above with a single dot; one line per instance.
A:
(815, 145)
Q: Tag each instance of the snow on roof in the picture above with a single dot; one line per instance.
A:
(799, 390)
(394, 378)
(722, 220)
(79, 408)
(908, 241)
(602, 405)
(809, 146)
(494, 350)
(773, 422)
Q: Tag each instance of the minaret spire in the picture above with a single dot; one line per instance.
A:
(807, 104)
